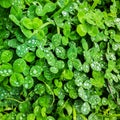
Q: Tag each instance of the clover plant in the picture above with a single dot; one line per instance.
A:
(59, 59)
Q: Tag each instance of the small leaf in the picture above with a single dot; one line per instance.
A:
(117, 38)
(6, 4)
(39, 10)
(94, 100)
(36, 71)
(56, 40)
(59, 64)
(24, 107)
(49, 7)
(36, 23)
(54, 70)
(98, 80)
(39, 89)
(6, 69)
(82, 94)
(28, 82)
(84, 44)
(40, 53)
(16, 79)
(26, 32)
(77, 64)
(72, 52)
(29, 57)
(19, 65)
(31, 116)
(60, 52)
(6, 56)
(26, 22)
(14, 19)
(67, 74)
(16, 11)
(85, 108)
(22, 50)
(81, 30)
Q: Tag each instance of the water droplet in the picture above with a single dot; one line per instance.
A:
(65, 13)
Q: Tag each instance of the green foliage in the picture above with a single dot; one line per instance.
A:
(59, 59)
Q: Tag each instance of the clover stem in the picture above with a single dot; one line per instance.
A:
(13, 99)
(74, 113)
(58, 30)
(45, 24)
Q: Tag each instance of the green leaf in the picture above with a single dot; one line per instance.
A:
(77, 64)
(59, 64)
(50, 58)
(29, 57)
(81, 30)
(16, 11)
(82, 94)
(36, 23)
(31, 116)
(67, 74)
(28, 82)
(56, 40)
(22, 50)
(6, 69)
(117, 38)
(93, 30)
(19, 65)
(27, 23)
(85, 108)
(45, 101)
(60, 52)
(6, 56)
(26, 32)
(66, 29)
(16, 79)
(24, 107)
(72, 52)
(84, 44)
(65, 40)
(36, 71)
(14, 19)
(21, 116)
(94, 100)
(40, 53)
(98, 79)
(49, 7)
(6, 4)
(39, 10)
(54, 70)
(39, 89)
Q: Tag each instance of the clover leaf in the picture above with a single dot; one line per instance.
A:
(28, 82)
(60, 52)
(6, 56)
(19, 65)
(6, 69)
(6, 4)
(85, 108)
(16, 79)
(36, 71)
(98, 79)
(81, 29)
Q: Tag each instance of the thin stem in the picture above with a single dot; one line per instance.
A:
(58, 30)
(74, 113)
(45, 24)
(13, 99)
